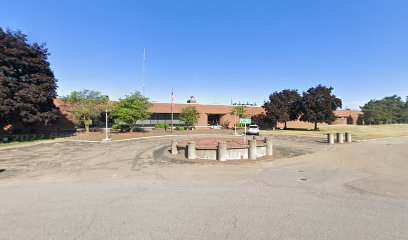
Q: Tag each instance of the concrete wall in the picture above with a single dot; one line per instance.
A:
(206, 153)
(237, 153)
(234, 153)
(260, 151)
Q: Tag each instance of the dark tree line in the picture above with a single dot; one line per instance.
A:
(316, 105)
(384, 111)
(27, 83)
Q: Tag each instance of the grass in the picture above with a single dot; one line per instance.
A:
(18, 143)
(22, 139)
(359, 132)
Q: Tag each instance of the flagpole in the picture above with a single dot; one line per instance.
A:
(143, 71)
(172, 103)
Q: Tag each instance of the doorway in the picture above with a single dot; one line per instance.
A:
(214, 119)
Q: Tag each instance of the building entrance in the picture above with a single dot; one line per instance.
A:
(214, 119)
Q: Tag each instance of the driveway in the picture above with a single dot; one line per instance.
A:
(130, 190)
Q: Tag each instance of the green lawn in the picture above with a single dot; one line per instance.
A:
(359, 132)
(27, 139)
(12, 144)
(21, 143)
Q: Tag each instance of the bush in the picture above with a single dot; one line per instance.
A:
(121, 127)
(162, 125)
(16, 131)
(240, 125)
(180, 128)
(225, 124)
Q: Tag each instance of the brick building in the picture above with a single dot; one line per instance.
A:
(208, 115)
(220, 114)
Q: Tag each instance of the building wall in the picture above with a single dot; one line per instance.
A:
(349, 113)
(65, 123)
(205, 110)
(67, 120)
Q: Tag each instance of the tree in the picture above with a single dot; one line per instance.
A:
(387, 110)
(131, 109)
(319, 104)
(283, 106)
(189, 115)
(27, 83)
(86, 105)
(404, 112)
(240, 111)
(263, 121)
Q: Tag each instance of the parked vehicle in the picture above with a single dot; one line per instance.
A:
(253, 129)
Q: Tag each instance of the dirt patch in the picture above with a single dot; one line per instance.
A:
(99, 136)
(213, 142)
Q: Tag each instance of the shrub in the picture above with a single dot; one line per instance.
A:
(225, 124)
(180, 128)
(121, 127)
(162, 125)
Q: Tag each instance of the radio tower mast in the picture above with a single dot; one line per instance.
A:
(143, 71)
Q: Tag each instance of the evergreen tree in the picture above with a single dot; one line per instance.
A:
(387, 110)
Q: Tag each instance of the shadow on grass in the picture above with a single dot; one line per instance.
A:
(12, 139)
(294, 129)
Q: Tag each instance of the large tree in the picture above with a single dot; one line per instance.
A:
(404, 112)
(283, 106)
(319, 104)
(27, 83)
(387, 110)
(189, 115)
(132, 108)
(86, 105)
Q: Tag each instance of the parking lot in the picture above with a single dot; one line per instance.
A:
(131, 190)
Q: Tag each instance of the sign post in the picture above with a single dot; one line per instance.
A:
(245, 121)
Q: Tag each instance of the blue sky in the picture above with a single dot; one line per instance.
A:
(221, 50)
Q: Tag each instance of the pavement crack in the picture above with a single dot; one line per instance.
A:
(234, 227)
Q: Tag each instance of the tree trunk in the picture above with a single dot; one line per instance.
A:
(315, 128)
(86, 124)
(285, 126)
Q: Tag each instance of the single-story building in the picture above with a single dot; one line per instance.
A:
(209, 115)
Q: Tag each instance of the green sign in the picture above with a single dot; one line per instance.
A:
(245, 120)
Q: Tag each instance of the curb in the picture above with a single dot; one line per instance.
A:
(152, 137)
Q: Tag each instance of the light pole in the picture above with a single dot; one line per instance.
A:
(235, 123)
(106, 126)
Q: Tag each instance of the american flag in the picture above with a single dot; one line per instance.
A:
(172, 98)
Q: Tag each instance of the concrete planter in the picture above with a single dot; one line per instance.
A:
(144, 129)
(224, 153)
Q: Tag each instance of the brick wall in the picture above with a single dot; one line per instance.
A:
(67, 120)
